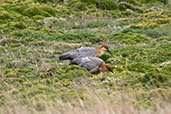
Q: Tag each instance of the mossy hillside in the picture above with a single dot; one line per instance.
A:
(65, 76)
(130, 38)
(101, 4)
(145, 1)
(135, 2)
(158, 32)
(156, 54)
(29, 16)
(153, 20)
(125, 6)
(153, 24)
(36, 12)
(71, 74)
(27, 80)
(34, 1)
(30, 9)
(142, 59)
(154, 1)
(31, 42)
(50, 82)
(112, 5)
(58, 36)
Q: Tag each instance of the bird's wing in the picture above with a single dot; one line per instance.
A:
(80, 52)
(97, 61)
(87, 52)
(70, 55)
(90, 62)
(75, 61)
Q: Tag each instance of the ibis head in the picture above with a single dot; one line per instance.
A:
(109, 68)
(102, 49)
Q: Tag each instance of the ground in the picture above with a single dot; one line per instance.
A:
(33, 33)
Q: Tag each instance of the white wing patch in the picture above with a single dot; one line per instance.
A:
(85, 60)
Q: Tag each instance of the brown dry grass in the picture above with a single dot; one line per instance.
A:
(95, 102)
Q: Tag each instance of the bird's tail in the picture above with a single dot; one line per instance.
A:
(65, 56)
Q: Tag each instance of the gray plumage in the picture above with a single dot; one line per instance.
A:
(79, 53)
(92, 64)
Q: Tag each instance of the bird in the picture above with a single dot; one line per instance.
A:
(85, 52)
(93, 64)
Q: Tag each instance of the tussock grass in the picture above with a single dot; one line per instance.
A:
(94, 102)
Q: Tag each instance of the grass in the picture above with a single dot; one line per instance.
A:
(95, 103)
(34, 80)
(154, 33)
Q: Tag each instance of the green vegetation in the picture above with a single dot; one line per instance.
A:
(33, 33)
(130, 38)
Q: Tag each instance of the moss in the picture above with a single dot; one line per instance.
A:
(145, 25)
(19, 8)
(95, 24)
(154, 15)
(155, 55)
(153, 20)
(19, 25)
(15, 45)
(130, 38)
(76, 37)
(154, 1)
(66, 46)
(79, 5)
(140, 67)
(50, 22)
(154, 77)
(34, 90)
(157, 32)
(162, 21)
(47, 1)
(135, 2)
(152, 23)
(35, 10)
(107, 4)
(8, 41)
(89, 1)
(64, 83)
(125, 6)
(72, 72)
(38, 17)
(4, 15)
(65, 74)
(127, 12)
(105, 57)
(52, 11)
(168, 13)
(17, 33)
(101, 4)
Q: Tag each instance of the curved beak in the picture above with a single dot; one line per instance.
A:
(109, 52)
(111, 71)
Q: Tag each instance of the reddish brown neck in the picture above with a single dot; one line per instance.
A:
(103, 67)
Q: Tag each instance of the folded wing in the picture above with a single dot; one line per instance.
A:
(92, 64)
(79, 53)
